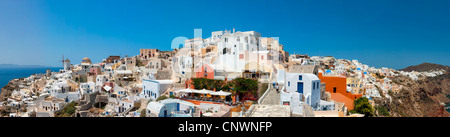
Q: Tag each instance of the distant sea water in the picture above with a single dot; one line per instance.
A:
(8, 74)
(447, 105)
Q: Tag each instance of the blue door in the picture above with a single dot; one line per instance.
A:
(300, 87)
(178, 106)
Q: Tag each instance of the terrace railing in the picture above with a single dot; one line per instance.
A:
(261, 99)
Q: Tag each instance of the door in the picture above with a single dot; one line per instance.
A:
(300, 87)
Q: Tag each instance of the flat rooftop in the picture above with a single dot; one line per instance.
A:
(271, 111)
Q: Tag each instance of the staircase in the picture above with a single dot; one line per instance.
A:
(144, 103)
(126, 112)
(272, 97)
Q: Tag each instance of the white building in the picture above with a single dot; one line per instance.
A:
(100, 80)
(67, 65)
(237, 49)
(152, 89)
(307, 85)
(170, 108)
(53, 105)
(124, 105)
(87, 87)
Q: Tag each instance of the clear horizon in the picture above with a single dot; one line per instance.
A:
(393, 34)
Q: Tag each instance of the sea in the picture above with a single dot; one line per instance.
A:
(447, 105)
(8, 74)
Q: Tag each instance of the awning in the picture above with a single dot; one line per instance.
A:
(221, 93)
(186, 90)
(203, 91)
(107, 88)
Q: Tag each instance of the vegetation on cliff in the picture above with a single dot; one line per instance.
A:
(67, 111)
(362, 106)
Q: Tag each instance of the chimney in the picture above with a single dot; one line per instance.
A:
(233, 30)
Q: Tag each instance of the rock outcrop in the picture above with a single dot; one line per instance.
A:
(422, 98)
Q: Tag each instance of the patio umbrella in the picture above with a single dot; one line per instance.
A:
(203, 91)
(185, 90)
(221, 93)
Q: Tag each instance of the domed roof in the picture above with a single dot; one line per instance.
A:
(86, 60)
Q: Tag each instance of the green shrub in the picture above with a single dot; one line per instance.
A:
(67, 111)
(381, 110)
(161, 98)
(362, 105)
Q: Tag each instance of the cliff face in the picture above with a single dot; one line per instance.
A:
(6, 91)
(422, 98)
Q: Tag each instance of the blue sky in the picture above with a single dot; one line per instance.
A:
(379, 33)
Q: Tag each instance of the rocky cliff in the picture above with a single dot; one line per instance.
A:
(6, 91)
(422, 98)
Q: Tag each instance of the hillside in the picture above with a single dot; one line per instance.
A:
(425, 67)
(422, 98)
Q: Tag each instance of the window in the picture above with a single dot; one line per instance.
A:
(289, 83)
(314, 85)
(300, 77)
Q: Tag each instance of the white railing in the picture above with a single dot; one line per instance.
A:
(264, 95)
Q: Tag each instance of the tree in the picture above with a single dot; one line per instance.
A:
(362, 105)
(197, 82)
(382, 111)
(244, 86)
(227, 86)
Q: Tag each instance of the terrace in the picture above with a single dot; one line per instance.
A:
(204, 96)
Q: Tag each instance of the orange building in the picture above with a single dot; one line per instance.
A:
(205, 71)
(337, 86)
(189, 84)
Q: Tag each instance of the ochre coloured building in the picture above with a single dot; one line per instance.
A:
(337, 86)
